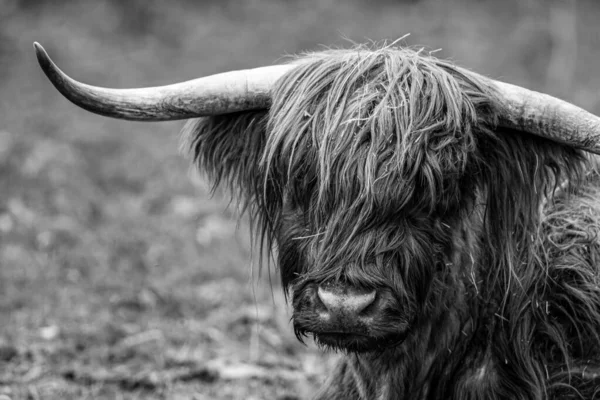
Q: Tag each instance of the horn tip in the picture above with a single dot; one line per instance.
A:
(52, 72)
(41, 55)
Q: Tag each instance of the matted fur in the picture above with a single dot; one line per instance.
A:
(384, 168)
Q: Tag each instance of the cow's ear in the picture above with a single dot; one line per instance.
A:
(228, 149)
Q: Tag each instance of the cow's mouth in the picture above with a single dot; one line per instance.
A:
(356, 343)
(350, 318)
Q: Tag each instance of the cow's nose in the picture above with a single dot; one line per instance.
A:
(345, 300)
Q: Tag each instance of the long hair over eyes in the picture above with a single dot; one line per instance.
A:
(362, 136)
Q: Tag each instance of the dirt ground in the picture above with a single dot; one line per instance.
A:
(121, 277)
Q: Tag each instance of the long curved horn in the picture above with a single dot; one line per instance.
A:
(549, 117)
(526, 110)
(212, 95)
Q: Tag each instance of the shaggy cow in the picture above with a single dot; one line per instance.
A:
(438, 227)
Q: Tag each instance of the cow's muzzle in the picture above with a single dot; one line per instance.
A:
(349, 318)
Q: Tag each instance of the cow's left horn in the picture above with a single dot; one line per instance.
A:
(549, 117)
(212, 95)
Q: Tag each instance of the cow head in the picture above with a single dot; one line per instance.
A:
(367, 172)
(361, 189)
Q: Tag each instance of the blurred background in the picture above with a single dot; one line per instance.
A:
(120, 276)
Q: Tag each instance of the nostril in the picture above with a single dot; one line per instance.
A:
(345, 300)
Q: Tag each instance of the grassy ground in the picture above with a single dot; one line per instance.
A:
(120, 276)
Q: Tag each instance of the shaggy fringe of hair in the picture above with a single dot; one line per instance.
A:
(357, 138)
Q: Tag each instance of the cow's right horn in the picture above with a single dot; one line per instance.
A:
(546, 116)
(212, 95)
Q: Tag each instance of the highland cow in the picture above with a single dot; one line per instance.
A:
(439, 228)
